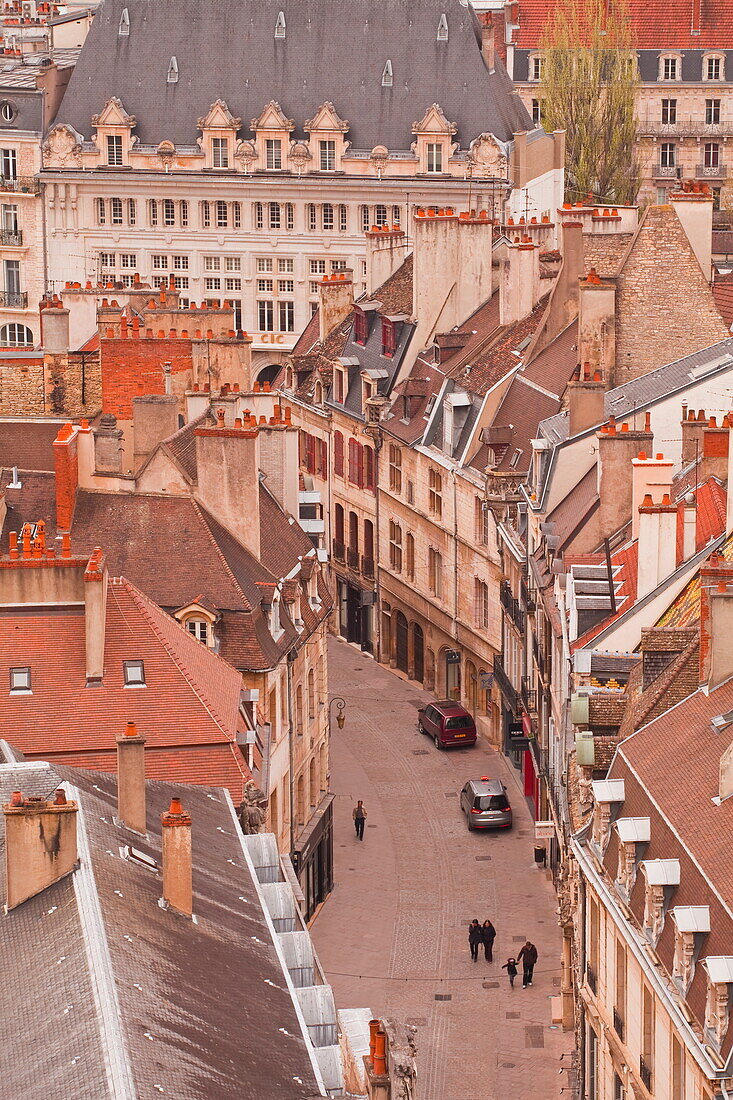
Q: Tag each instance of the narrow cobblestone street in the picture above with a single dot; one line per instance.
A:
(393, 934)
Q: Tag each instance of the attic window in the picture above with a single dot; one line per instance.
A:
(387, 75)
(443, 29)
(389, 340)
(280, 25)
(173, 71)
(124, 27)
(361, 327)
(134, 673)
(20, 681)
(141, 858)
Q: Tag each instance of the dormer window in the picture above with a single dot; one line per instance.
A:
(670, 67)
(443, 28)
(173, 71)
(199, 628)
(387, 75)
(114, 150)
(275, 629)
(713, 67)
(318, 393)
(273, 153)
(367, 390)
(717, 1005)
(389, 338)
(361, 327)
(124, 28)
(280, 25)
(435, 156)
(535, 67)
(220, 152)
(327, 155)
(134, 673)
(20, 680)
(339, 385)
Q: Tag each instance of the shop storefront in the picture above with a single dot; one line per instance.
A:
(313, 858)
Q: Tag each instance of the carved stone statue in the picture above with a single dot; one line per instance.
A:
(716, 1010)
(654, 911)
(254, 809)
(626, 866)
(684, 949)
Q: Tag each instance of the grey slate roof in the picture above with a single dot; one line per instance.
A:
(332, 51)
(202, 1009)
(641, 392)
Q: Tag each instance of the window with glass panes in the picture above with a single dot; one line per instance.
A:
(266, 316)
(435, 493)
(114, 150)
(327, 215)
(273, 215)
(264, 264)
(395, 468)
(273, 153)
(711, 154)
(395, 546)
(712, 112)
(435, 156)
(667, 154)
(327, 155)
(669, 112)
(286, 316)
(286, 266)
(220, 152)
(713, 68)
(669, 68)
(435, 572)
(115, 211)
(128, 260)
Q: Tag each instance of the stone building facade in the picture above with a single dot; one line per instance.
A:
(243, 198)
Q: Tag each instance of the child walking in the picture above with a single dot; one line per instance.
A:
(511, 968)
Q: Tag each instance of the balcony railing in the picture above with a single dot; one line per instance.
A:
(28, 185)
(665, 171)
(712, 171)
(539, 657)
(529, 696)
(511, 606)
(367, 566)
(504, 487)
(506, 687)
(12, 240)
(618, 1024)
(13, 299)
(590, 977)
(645, 1072)
(352, 559)
(339, 551)
(702, 130)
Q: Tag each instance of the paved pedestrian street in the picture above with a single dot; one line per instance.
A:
(393, 935)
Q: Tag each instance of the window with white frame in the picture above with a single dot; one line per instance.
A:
(712, 112)
(159, 261)
(115, 211)
(286, 316)
(435, 156)
(180, 263)
(286, 286)
(714, 67)
(264, 263)
(273, 215)
(327, 215)
(668, 154)
(101, 211)
(273, 153)
(237, 215)
(220, 152)
(343, 218)
(327, 155)
(286, 266)
(317, 267)
(395, 546)
(206, 214)
(114, 150)
(289, 215)
(264, 286)
(212, 282)
(212, 263)
(258, 215)
(669, 112)
(380, 214)
(481, 604)
(232, 284)
(128, 260)
(16, 336)
(222, 214)
(20, 680)
(131, 212)
(107, 261)
(134, 673)
(169, 212)
(199, 628)
(535, 67)
(670, 67)
(310, 211)
(365, 220)
(266, 316)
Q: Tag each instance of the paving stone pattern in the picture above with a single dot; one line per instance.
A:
(393, 936)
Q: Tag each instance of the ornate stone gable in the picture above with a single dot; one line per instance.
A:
(62, 148)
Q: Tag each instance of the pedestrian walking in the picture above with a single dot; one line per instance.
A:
(488, 935)
(360, 816)
(475, 937)
(528, 955)
(511, 968)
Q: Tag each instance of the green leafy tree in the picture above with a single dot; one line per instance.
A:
(588, 89)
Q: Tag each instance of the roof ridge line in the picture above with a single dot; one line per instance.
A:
(217, 550)
(134, 594)
(101, 970)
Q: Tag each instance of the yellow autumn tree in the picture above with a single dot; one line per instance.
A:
(588, 88)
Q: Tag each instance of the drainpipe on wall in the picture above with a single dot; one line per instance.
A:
(291, 747)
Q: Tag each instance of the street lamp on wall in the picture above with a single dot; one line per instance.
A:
(340, 712)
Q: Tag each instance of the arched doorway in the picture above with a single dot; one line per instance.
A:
(418, 652)
(401, 642)
(450, 674)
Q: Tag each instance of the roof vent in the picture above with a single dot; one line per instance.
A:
(387, 75)
(280, 25)
(124, 27)
(443, 28)
(173, 71)
(15, 483)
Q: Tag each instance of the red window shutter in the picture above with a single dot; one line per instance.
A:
(369, 468)
(311, 453)
(303, 447)
(352, 461)
(323, 471)
(338, 454)
(359, 457)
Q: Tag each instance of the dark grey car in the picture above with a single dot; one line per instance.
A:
(485, 804)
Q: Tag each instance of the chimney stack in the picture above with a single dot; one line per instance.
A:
(154, 418)
(597, 325)
(335, 300)
(131, 780)
(228, 472)
(720, 666)
(386, 250)
(177, 863)
(693, 205)
(617, 446)
(488, 40)
(40, 844)
(652, 475)
(693, 427)
(55, 330)
(95, 615)
(519, 286)
(657, 551)
(585, 396)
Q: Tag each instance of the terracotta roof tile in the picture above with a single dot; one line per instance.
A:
(723, 294)
(656, 24)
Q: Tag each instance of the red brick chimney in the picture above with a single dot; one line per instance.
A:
(716, 572)
(177, 861)
(40, 844)
(335, 300)
(131, 811)
(95, 615)
(67, 475)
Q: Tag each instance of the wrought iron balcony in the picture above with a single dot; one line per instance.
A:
(352, 559)
(512, 606)
(711, 171)
(618, 1024)
(27, 185)
(690, 128)
(506, 687)
(339, 551)
(529, 696)
(590, 977)
(645, 1072)
(367, 566)
(13, 299)
(666, 171)
(11, 240)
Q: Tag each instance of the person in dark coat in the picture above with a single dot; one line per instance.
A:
(475, 937)
(511, 968)
(488, 935)
(528, 957)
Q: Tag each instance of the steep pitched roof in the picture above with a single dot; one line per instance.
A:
(126, 998)
(656, 24)
(211, 58)
(188, 710)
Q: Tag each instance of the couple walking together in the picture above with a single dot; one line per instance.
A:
(481, 934)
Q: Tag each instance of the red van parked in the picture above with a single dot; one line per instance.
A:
(448, 723)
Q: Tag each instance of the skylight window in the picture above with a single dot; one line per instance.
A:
(134, 673)
(173, 71)
(280, 25)
(20, 680)
(124, 27)
(387, 75)
(443, 29)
